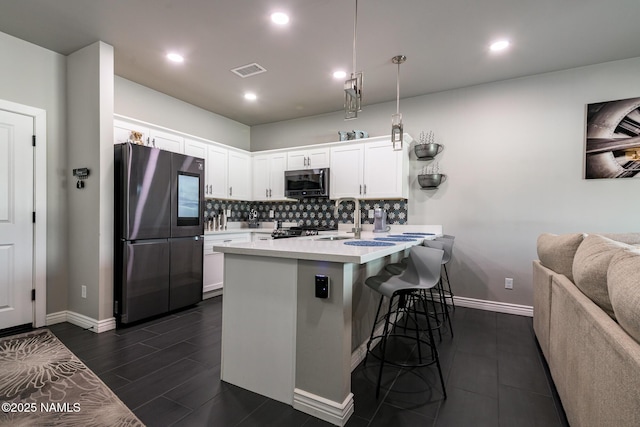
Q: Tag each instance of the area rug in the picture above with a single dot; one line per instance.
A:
(42, 383)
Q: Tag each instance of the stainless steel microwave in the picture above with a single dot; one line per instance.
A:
(303, 183)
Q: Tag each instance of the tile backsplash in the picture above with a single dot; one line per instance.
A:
(312, 211)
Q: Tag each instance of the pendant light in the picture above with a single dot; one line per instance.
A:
(396, 119)
(353, 86)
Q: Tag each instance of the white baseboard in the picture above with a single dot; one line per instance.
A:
(81, 320)
(211, 294)
(332, 412)
(499, 307)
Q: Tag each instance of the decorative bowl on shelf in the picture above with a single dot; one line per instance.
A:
(431, 180)
(427, 151)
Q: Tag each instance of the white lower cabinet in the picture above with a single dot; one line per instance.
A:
(213, 271)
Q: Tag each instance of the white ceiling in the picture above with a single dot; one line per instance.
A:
(446, 43)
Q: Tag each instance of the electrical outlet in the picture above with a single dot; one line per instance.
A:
(84, 291)
(271, 214)
(508, 283)
(370, 213)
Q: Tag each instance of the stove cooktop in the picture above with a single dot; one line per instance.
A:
(282, 233)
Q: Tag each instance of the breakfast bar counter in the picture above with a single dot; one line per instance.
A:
(280, 340)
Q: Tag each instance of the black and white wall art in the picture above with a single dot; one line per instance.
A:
(612, 149)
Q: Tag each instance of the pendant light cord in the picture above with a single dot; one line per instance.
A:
(355, 32)
(398, 90)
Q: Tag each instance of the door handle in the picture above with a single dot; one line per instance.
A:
(230, 191)
(360, 189)
(269, 192)
(266, 192)
(365, 189)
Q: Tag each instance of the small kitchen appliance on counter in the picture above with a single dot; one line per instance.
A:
(380, 221)
(253, 219)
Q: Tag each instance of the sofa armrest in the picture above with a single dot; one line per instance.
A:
(542, 278)
(594, 363)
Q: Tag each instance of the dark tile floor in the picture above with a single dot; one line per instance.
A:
(168, 372)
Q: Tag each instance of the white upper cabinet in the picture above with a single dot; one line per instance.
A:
(201, 149)
(385, 171)
(195, 148)
(268, 176)
(370, 170)
(311, 158)
(166, 141)
(239, 176)
(346, 171)
(217, 166)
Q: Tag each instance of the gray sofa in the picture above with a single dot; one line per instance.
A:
(586, 317)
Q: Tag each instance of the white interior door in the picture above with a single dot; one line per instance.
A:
(16, 224)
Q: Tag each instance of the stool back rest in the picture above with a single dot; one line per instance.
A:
(437, 244)
(448, 248)
(423, 268)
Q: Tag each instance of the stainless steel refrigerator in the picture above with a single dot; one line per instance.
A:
(159, 229)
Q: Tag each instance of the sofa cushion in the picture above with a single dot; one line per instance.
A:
(623, 282)
(590, 266)
(628, 238)
(557, 251)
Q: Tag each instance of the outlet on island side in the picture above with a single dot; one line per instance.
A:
(508, 283)
(84, 291)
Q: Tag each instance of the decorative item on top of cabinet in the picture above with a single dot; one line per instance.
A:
(354, 134)
(426, 148)
(431, 177)
(136, 137)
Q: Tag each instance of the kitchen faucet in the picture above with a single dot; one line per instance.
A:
(356, 215)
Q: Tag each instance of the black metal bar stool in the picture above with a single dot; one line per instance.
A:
(441, 316)
(407, 299)
(448, 240)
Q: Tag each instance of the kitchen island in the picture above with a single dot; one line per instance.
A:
(283, 342)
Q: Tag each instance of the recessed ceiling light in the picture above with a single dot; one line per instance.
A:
(280, 18)
(250, 96)
(339, 74)
(174, 57)
(499, 45)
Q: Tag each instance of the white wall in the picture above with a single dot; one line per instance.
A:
(514, 154)
(90, 143)
(140, 102)
(34, 76)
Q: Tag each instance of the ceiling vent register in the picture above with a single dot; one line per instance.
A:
(249, 70)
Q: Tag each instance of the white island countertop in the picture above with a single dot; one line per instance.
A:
(315, 249)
